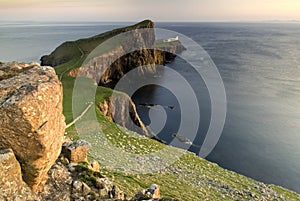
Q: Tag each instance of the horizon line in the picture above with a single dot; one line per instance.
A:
(163, 21)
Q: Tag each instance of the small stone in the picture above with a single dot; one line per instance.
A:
(85, 189)
(95, 166)
(72, 167)
(103, 192)
(77, 186)
(64, 160)
(76, 151)
(153, 192)
(16, 67)
(100, 183)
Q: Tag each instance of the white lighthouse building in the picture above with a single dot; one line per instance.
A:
(171, 39)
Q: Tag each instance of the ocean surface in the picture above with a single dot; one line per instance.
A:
(260, 67)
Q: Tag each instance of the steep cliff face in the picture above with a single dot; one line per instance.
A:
(121, 110)
(31, 119)
(135, 48)
(109, 67)
(166, 52)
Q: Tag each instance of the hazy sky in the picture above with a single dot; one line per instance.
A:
(159, 10)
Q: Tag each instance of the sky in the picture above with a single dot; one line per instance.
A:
(158, 10)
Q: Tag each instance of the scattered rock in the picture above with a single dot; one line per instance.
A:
(72, 167)
(32, 123)
(58, 186)
(76, 151)
(77, 186)
(85, 189)
(108, 190)
(153, 192)
(95, 166)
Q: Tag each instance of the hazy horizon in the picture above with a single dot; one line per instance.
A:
(160, 21)
(157, 10)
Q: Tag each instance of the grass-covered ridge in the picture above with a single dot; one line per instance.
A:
(189, 178)
(83, 47)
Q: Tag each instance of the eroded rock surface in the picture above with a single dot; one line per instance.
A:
(76, 151)
(134, 49)
(12, 186)
(121, 109)
(31, 119)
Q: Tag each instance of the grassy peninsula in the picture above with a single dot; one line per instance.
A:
(189, 178)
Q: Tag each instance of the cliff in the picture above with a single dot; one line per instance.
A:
(166, 52)
(136, 47)
(107, 69)
(109, 66)
(187, 178)
(71, 49)
(121, 110)
(32, 124)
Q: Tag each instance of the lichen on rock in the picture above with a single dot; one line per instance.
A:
(31, 119)
(12, 186)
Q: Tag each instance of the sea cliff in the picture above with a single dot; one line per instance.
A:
(32, 137)
(107, 67)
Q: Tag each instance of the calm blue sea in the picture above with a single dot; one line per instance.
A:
(259, 64)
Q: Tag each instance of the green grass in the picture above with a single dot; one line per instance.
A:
(188, 178)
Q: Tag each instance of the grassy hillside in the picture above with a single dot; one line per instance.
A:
(189, 178)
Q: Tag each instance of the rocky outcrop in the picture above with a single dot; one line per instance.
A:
(77, 182)
(153, 192)
(120, 109)
(31, 120)
(12, 186)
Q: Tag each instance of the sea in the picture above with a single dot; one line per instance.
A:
(259, 64)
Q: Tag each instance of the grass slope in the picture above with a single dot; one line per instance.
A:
(189, 178)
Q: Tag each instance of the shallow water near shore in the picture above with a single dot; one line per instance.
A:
(259, 64)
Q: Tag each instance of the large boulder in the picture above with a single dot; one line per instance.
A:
(31, 119)
(12, 187)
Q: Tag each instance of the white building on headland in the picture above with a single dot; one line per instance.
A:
(171, 39)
